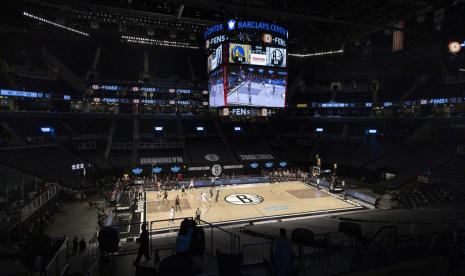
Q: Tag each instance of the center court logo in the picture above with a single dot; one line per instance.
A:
(244, 199)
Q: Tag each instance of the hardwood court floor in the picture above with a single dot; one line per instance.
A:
(279, 199)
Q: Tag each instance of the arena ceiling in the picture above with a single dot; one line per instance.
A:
(313, 24)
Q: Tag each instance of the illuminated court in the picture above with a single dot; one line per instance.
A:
(246, 202)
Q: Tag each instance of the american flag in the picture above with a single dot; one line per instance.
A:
(398, 37)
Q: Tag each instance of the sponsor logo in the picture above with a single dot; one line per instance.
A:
(267, 38)
(205, 168)
(212, 157)
(156, 170)
(277, 208)
(454, 47)
(231, 24)
(137, 171)
(231, 167)
(244, 199)
(257, 59)
(265, 156)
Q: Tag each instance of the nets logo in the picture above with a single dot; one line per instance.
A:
(217, 170)
(277, 57)
(244, 199)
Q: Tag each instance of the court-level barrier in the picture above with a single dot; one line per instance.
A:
(157, 227)
(228, 181)
(352, 255)
(256, 253)
(218, 238)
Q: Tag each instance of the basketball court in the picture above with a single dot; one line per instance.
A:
(251, 202)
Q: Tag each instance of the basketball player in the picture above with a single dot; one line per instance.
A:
(171, 215)
(177, 204)
(165, 196)
(203, 198)
(217, 195)
(191, 185)
(211, 192)
(249, 85)
(183, 190)
(158, 193)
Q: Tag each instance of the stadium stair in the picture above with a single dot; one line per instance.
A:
(64, 72)
(110, 139)
(135, 142)
(223, 139)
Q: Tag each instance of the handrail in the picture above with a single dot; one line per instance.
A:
(40, 201)
(57, 265)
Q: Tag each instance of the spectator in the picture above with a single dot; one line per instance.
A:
(197, 215)
(282, 254)
(82, 245)
(75, 245)
(182, 240)
(198, 241)
(143, 242)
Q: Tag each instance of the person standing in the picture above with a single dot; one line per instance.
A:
(171, 215)
(177, 203)
(282, 254)
(143, 242)
(197, 215)
(217, 195)
(165, 196)
(191, 185)
(203, 198)
(75, 245)
(183, 190)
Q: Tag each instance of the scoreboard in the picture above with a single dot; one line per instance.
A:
(247, 64)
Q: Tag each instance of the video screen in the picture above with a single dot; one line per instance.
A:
(216, 88)
(275, 57)
(257, 55)
(215, 59)
(239, 53)
(256, 86)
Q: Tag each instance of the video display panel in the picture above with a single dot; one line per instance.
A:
(275, 57)
(256, 86)
(215, 59)
(216, 88)
(239, 53)
(257, 55)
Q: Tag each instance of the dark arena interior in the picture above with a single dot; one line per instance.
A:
(233, 137)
